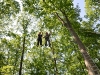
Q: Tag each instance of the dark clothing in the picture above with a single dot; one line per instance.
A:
(47, 40)
(39, 36)
(47, 36)
(39, 40)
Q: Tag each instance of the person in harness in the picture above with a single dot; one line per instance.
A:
(47, 39)
(39, 39)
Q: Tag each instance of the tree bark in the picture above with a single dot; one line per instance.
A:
(91, 67)
(20, 69)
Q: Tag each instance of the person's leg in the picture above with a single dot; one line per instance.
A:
(45, 42)
(49, 43)
(37, 42)
(41, 42)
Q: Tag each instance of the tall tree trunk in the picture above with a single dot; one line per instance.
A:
(91, 67)
(55, 62)
(20, 69)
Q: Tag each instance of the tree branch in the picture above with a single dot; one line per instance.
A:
(60, 18)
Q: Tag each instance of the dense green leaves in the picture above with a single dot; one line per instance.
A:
(8, 7)
(63, 58)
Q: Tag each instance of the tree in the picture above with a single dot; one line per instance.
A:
(8, 8)
(65, 12)
(19, 53)
(92, 13)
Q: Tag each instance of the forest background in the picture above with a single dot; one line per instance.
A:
(20, 22)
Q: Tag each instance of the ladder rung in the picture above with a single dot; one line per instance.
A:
(90, 60)
(96, 70)
(88, 57)
(94, 67)
(86, 54)
(96, 73)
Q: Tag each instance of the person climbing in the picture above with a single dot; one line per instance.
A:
(47, 39)
(39, 39)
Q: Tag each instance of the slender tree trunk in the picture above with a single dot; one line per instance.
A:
(55, 62)
(91, 67)
(20, 69)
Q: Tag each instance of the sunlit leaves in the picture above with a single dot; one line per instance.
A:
(8, 7)
(92, 9)
(92, 12)
(41, 60)
(6, 69)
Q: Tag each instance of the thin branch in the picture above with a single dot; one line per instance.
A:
(60, 18)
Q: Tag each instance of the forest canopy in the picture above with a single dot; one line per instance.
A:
(74, 41)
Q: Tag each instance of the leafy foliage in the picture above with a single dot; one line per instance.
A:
(63, 57)
(8, 7)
